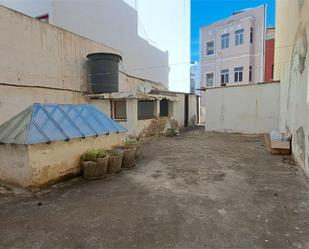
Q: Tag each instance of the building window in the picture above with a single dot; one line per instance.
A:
(251, 35)
(225, 40)
(239, 37)
(250, 73)
(210, 48)
(43, 18)
(238, 73)
(146, 109)
(209, 79)
(120, 109)
(224, 77)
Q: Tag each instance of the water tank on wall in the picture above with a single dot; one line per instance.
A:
(103, 72)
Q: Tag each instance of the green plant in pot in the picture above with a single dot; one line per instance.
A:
(129, 154)
(115, 161)
(92, 166)
(134, 142)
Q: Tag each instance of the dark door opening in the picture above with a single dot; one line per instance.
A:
(163, 108)
(186, 110)
(197, 109)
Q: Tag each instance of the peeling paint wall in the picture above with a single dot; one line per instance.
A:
(14, 164)
(41, 164)
(246, 109)
(36, 56)
(49, 162)
(15, 99)
(192, 110)
(292, 68)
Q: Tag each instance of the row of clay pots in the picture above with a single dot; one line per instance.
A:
(110, 164)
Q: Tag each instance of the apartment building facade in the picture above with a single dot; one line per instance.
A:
(232, 49)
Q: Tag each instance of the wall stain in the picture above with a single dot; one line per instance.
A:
(300, 5)
(300, 141)
(298, 60)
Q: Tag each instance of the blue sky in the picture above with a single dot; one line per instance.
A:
(204, 12)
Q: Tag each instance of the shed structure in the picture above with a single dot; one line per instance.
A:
(43, 143)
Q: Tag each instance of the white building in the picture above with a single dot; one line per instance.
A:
(153, 35)
(232, 50)
(195, 78)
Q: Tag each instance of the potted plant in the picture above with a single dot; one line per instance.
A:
(103, 158)
(129, 154)
(91, 167)
(134, 141)
(115, 161)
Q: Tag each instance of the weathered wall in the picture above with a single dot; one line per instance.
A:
(36, 54)
(36, 165)
(14, 164)
(192, 110)
(202, 108)
(128, 83)
(246, 109)
(48, 162)
(292, 67)
(179, 109)
(103, 105)
(287, 18)
(138, 36)
(15, 99)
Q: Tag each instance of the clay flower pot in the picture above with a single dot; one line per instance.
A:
(138, 146)
(91, 170)
(128, 159)
(103, 163)
(94, 164)
(114, 164)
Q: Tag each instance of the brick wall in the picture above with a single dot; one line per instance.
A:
(269, 59)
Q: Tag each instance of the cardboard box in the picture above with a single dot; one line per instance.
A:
(277, 147)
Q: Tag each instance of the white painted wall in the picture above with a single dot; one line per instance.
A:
(153, 35)
(246, 109)
(292, 68)
(166, 23)
(192, 120)
(32, 8)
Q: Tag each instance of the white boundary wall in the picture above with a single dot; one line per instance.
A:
(244, 108)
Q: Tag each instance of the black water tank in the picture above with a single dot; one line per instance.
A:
(103, 72)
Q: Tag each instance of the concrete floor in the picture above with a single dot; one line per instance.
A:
(196, 190)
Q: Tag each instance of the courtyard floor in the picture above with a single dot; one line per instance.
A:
(196, 190)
